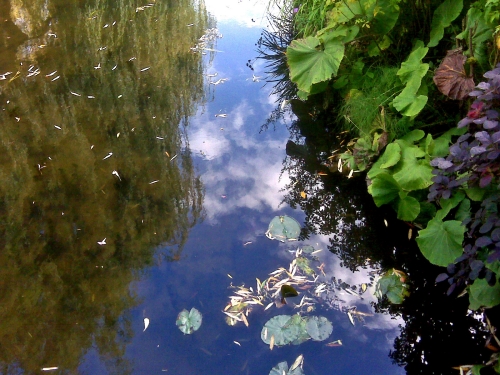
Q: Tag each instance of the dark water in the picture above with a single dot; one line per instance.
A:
(125, 195)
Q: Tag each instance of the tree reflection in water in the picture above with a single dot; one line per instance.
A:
(77, 227)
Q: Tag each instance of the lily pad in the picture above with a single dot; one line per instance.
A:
(189, 321)
(286, 329)
(304, 265)
(282, 369)
(308, 249)
(319, 328)
(283, 228)
(393, 285)
(298, 325)
(277, 327)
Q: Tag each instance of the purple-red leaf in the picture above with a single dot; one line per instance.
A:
(485, 180)
(451, 78)
(483, 241)
(442, 277)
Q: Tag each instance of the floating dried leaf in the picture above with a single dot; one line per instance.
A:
(298, 362)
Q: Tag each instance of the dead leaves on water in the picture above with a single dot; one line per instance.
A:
(311, 288)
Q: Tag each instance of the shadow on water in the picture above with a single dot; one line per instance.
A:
(439, 332)
(94, 167)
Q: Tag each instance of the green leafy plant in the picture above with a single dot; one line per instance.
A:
(315, 60)
(443, 16)
(365, 150)
(413, 98)
(402, 170)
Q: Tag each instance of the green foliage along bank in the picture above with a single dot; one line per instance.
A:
(398, 76)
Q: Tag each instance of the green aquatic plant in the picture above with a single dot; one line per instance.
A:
(401, 171)
(393, 285)
(295, 369)
(283, 228)
(189, 321)
(319, 328)
(285, 329)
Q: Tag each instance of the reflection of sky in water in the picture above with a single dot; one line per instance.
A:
(241, 172)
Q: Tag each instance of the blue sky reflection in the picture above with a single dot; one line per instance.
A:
(241, 171)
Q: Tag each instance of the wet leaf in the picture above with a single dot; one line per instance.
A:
(298, 362)
(451, 78)
(189, 321)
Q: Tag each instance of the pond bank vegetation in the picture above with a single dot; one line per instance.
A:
(411, 91)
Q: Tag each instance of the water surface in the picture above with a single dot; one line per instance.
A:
(126, 195)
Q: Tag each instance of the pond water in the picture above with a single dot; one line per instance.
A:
(136, 184)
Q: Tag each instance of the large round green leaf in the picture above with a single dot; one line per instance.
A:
(297, 329)
(443, 16)
(189, 321)
(441, 241)
(408, 209)
(312, 60)
(482, 294)
(277, 327)
(283, 228)
(319, 328)
(286, 329)
(384, 189)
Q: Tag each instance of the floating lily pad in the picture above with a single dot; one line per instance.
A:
(303, 264)
(189, 321)
(308, 249)
(283, 228)
(286, 329)
(301, 329)
(282, 369)
(319, 328)
(277, 327)
(393, 285)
